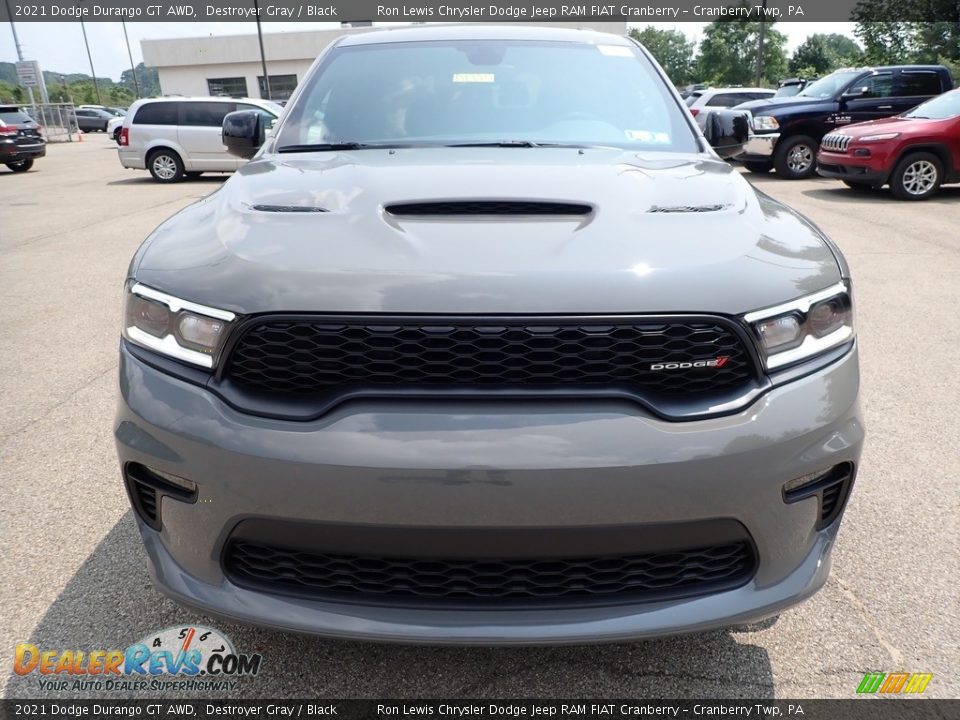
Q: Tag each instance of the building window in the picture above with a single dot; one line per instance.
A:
(281, 87)
(229, 87)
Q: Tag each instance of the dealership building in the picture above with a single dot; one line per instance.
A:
(230, 64)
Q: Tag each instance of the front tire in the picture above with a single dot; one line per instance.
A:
(761, 167)
(917, 177)
(165, 166)
(21, 165)
(859, 185)
(795, 157)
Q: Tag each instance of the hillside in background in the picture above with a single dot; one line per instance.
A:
(78, 87)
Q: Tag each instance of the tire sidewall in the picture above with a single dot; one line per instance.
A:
(782, 151)
(21, 166)
(896, 180)
(178, 176)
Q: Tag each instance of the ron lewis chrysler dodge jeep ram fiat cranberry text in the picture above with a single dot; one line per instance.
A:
(487, 345)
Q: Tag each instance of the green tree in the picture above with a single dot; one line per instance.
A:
(821, 53)
(844, 52)
(671, 49)
(811, 58)
(728, 53)
(148, 78)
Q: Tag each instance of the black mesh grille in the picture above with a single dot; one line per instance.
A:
(643, 576)
(487, 207)
(146, 498)
(324, 355)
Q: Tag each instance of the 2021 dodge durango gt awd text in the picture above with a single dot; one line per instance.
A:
(487, 345)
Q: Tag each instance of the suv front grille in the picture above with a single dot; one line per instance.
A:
(655, 358)
(836, 142)
(639, 577)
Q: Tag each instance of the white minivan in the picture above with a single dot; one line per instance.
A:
(177, 137)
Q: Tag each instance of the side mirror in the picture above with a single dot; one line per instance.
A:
(243, 133)
(854, 93)
(727, 131)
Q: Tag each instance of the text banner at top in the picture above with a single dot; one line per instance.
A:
(637, 11)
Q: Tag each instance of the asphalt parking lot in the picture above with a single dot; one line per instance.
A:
(72, 569)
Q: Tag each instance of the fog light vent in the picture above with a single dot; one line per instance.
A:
(830, 486)
(146, 486)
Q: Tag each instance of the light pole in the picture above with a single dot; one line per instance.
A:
(263, 57)
(133, 68)
(16, 43)
(763, 28)
(96, 86)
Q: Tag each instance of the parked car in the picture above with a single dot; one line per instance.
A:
(177, 137)
(114, 126)
(507, 354)
(21, 139)
(702, 100)
(915, 152)
(93, 119)
(792, 86)
(692, 88)
(787, 131)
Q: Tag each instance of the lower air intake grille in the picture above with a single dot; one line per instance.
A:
(650, 576)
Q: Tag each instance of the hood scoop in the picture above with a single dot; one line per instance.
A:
(447, 208)
(689, 208)
(289, 208)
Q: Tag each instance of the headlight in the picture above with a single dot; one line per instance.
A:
(765, 122)
(803, 328)
(878, 137)
(174, 327)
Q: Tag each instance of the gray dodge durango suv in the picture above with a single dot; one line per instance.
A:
(487, 345)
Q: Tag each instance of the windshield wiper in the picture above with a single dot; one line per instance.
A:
(498, 143)
(327, 147)
(525, 144)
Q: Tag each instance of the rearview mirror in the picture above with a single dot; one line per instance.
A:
(243, 133)
(727, 131)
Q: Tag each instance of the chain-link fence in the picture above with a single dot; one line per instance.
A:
(58, 120)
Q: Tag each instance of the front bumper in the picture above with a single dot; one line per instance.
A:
(759, 147)
(845, 166)
(564, 466)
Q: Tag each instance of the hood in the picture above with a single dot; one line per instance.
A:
(775, 104)
(313, 233)
(898, 124)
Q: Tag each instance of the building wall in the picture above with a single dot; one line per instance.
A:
(185, 64)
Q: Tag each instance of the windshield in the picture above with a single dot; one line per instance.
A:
(941, 107)
(787, 91)
(829, 86)
(14, 117)
(487, 92)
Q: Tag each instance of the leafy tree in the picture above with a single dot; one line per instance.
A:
(812, 58)
(728, 53)
(148, 78)
(671, 49)
(820, 53)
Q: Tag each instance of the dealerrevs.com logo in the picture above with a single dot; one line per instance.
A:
(717, 362)
(181, 657)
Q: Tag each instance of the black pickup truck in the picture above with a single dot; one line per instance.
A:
(787, 130)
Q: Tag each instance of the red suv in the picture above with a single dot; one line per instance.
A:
(914, 152)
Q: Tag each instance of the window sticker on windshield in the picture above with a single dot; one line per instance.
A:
(645, 136)
(615, 50)
(474, 77)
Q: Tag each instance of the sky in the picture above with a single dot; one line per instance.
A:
(59, 46)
